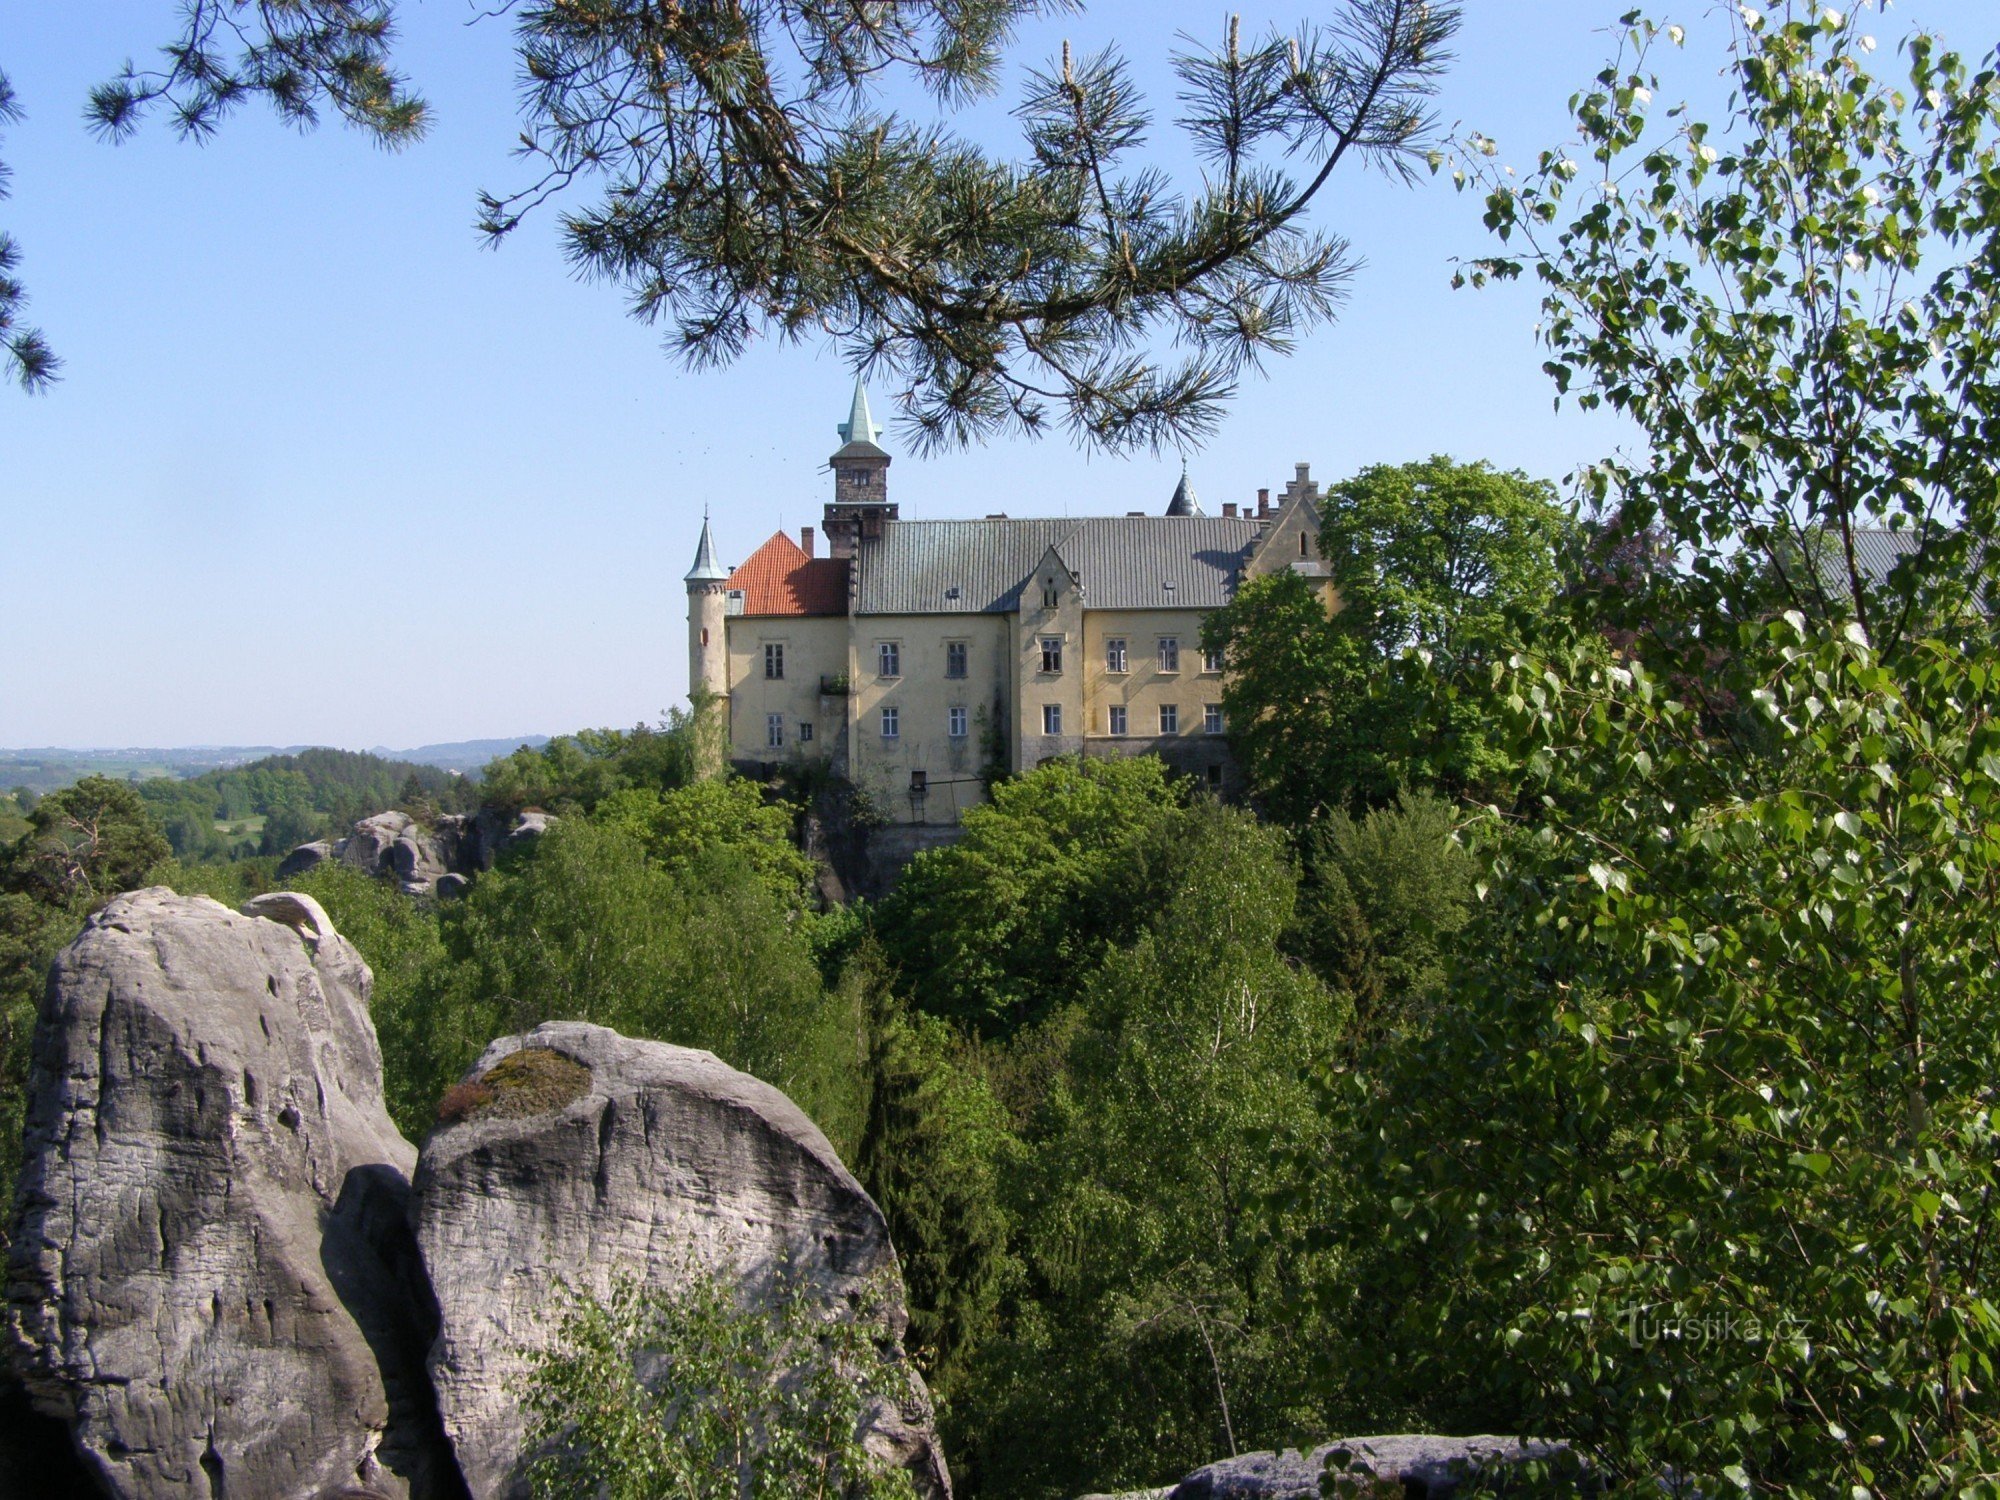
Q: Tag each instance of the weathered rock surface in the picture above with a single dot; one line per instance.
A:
(305, 857)
(1423, 1468)
(671, 1163)
(394, 843)
(212, 1278)
(418, 855)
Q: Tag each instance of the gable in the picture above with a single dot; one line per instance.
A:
(780, 579)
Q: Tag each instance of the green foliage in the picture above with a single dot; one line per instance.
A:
(937, 1145)
(681, 828)
(589, 928)
(420, 1017)
(755, 182)
(1718, 1103)
(649, 1393)
(1150, 1296)
(297, 797)
(1794, 306)
(574, 772)
(83, 845)
(1435, 566)
(1384, 897)
(25, 355)
(1299, 700)
(1001, 925)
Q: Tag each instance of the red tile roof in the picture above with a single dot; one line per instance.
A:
(779, 579)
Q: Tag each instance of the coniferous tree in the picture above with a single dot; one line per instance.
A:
(756, 180)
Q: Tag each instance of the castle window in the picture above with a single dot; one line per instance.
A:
(1114, 656)
(774, 731)
(889, 659)
(1051, 718)
(1119, 723)
(704, 635)
(805, 732)
(1170, 718)
(774, 660)
(1170, 653)
(955, 722)
(1211, 719)
(1215, 778)
(954, 658)
(920, 782)
(1051, 653)
(892, 724)
(1048, 593)
(1211, 659)
(1302, 544)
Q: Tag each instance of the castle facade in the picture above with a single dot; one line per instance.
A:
(920, 658)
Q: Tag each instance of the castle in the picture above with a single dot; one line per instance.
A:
(919, 658)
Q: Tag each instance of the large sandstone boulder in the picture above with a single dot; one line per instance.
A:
(305, 857)
(1409, 1466)
(393, 845)
(667, 1163)
(212, 1279)
(396, 844)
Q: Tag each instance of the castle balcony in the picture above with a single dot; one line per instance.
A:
(833, 686)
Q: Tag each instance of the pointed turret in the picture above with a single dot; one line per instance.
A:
(708, 652)
(706, 569)
(860, 426)
(1184, 502)
(860, 480)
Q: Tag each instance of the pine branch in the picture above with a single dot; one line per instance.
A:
(25, 356)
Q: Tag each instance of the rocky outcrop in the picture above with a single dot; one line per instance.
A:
(394, 845)
(666, 1163)
(1407, 1466)
(212, 1279)
(306, 857)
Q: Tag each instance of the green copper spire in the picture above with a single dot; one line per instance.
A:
(706, 569)
(860, 427)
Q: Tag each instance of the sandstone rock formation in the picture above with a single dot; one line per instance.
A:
(668, 1162)
(394, 843)
(418, 855)
(305, 857)
(1415, 1466)
(212, 1278)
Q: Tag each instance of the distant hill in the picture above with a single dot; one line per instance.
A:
(50, 768)
(463, 755)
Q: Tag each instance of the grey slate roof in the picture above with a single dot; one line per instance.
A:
(1184, 502)
(1877, 551)
(1123, 562)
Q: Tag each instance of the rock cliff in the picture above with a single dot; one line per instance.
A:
(665, 1163)
(220, 1282)
(418, 855)
(210, 1274)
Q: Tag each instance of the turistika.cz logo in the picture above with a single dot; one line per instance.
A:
(1651, 1325)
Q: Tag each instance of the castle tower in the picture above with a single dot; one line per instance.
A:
(708, 651)
(860, 501)
(1184, 502)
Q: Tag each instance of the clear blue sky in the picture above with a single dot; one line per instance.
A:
(324, 469)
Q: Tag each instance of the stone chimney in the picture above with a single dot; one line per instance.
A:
(806, 540)
(1263, 502)
(1229, 509)
(1303, 485)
